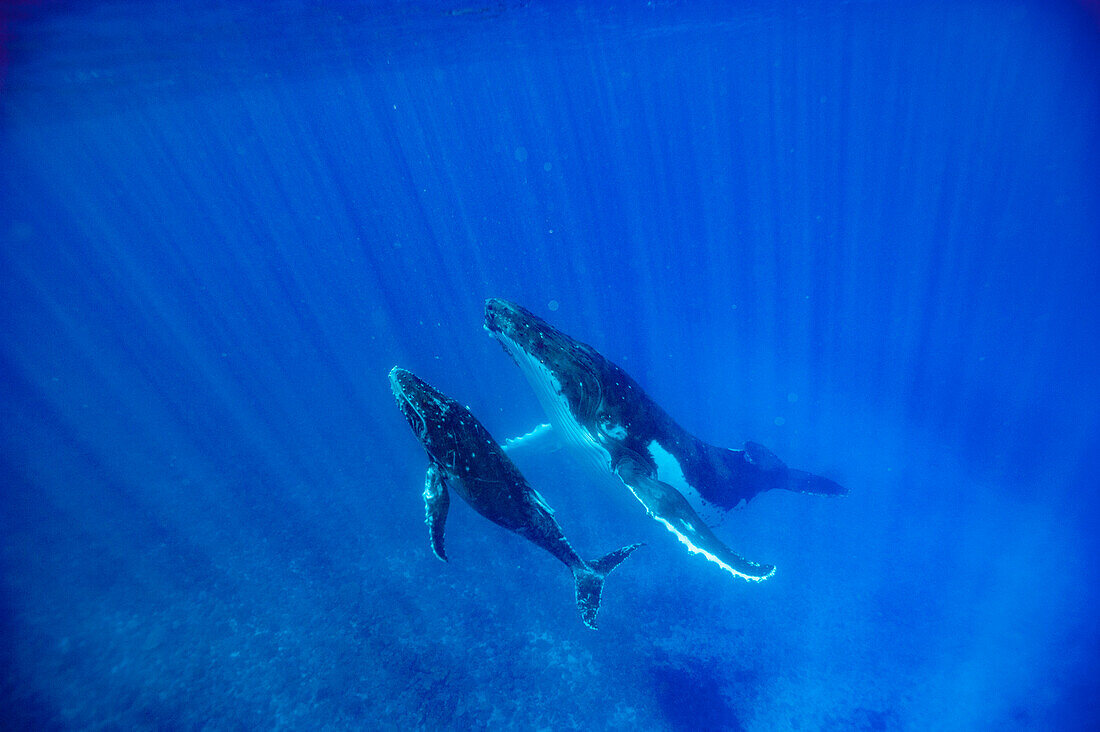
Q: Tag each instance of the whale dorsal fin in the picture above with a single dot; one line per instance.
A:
(763, 458)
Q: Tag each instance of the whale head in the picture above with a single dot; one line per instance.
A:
(563, 371)
(427, 410)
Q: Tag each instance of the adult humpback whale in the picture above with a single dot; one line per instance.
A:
(594, 405)
(465, 457)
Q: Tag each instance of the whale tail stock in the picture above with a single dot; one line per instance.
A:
(800, 481)
(589, 578)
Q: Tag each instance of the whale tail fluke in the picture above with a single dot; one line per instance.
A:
(589, 579)
(800, 481)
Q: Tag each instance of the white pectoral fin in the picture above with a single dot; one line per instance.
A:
(666, 505)
(542, 439)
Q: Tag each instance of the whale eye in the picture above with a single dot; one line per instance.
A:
(611, 428)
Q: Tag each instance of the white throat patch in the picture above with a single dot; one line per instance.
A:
(548, 389)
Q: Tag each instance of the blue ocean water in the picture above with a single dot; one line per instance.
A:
(865, 234)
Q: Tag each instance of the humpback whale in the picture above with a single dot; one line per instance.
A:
(593, 405)
(465, 458)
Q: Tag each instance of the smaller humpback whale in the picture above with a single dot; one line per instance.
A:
(594, 405)
(465, 457)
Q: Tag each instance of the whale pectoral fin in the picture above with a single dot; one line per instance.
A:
(436, 503)
(541, 439)
(664, 503)
(800, 481)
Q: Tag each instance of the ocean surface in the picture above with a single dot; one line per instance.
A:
(864, 234)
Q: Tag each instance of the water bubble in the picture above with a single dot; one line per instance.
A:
(521, 154)
(779, 421)
(553, 305)
(547, 166)
(792, 397)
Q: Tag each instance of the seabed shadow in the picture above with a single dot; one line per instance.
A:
(690, 692)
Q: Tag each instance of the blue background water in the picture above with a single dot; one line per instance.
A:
(864, 234)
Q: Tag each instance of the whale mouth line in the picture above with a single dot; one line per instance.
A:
(401, 393)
